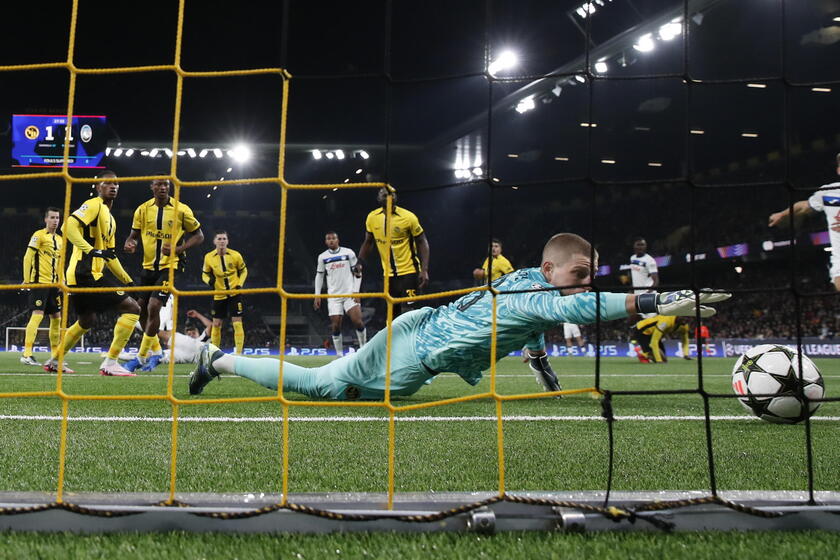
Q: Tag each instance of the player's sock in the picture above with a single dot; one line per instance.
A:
(55, 333)
(216, 335)
(265, 371)
(238, 336)
(145, 346)
(31, 333)
(362, 336)
(122, 331)
(156, 349)
(338, 344)
(71, 337)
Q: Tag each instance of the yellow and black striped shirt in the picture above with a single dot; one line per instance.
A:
(40, 263)
(90, 227)
(155, 226)
(402, 257)
(224, 272)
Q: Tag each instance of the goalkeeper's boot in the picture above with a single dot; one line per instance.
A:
(133, 364)
(204, 371)
(29, 361)
(51, 366)
(543, 373)
(114, 370)
(152, 362)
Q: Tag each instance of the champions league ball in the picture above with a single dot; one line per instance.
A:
(767, 380)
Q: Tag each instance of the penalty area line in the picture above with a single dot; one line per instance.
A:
(513, 418)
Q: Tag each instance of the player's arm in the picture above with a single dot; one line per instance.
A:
(423, 250)
(800, 208)
(538, 362)
(655, 277)
(192, 313)
(116, 267)
(131, 241)
(319, 285)
(75, 234)
(364, 251)
(31, 253)
(207, 275)
(242, 272)
(655, 339)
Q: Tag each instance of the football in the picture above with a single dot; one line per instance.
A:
(766, 379)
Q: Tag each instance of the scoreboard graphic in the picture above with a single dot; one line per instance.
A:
(38, 140)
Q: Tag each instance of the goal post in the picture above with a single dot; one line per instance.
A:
(15, 339)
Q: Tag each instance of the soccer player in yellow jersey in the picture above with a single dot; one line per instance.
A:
(648, 333)
(224, 269)
(406, 261)
(92, 230)
(501, 265)
(157, 225)
(41, 266)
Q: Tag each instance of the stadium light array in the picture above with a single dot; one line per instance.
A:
(129, 152)
(191, 152)
(821, 89)
(154, 152)
(118, 152)
(316, 154)
(218, 153)
(201, 154)
(330, 155)
(506, 61)
(359, 171)
(645, 43)
(601, 67)
(670, 30)
(589, 8)
(229, 169)
(756, 86)
(240, 153)
(339, 154)
(525, 104)
(363, 154)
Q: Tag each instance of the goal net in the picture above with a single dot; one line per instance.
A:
(646, 128)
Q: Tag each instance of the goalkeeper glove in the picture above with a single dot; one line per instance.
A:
(106, 254)
(682, 303)
(543, 373)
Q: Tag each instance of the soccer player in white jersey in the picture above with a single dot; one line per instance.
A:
(572, 332)
(643, 270)
(827, 201)
(338, 265)
(187, 345)
(459, 338)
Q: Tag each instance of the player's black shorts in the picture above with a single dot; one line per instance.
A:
(152, 278)
(99, 301)
(405, 286)
(47, 300)
(228, 307)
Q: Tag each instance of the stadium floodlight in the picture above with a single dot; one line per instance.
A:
(477, 171)
(506, 61)
(144, 153)
(330, 155)
(557, 90)
(129, 152)
(364, 154)
(154, 152)
(107, 151)
(240, 153)
(218, 153)
(767, 245)
(645, 43)
(739, 269)
(601, 67)
(229, 169)
(670, 30)
(525, 104)
(203, 152)
(118, 152)
(168, 152)
(339, 154)
(191, 152)
(580, 78)
(359, 171)
(756, 86)
(316, 154)
(821, 89)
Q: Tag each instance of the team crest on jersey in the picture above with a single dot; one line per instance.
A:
(120, 293)
(537, 286)
(82, 209)
(397, 230)
(38, 302)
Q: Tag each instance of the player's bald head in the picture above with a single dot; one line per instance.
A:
(561, 246)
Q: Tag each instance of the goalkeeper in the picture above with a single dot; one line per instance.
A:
(457, 337)
(648, 334)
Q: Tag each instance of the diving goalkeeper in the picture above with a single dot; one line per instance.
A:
(457, 337)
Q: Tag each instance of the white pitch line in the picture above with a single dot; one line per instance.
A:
(385, 419)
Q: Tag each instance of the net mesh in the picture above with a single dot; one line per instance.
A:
(593, 78)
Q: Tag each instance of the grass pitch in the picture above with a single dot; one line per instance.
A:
(550, 444)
